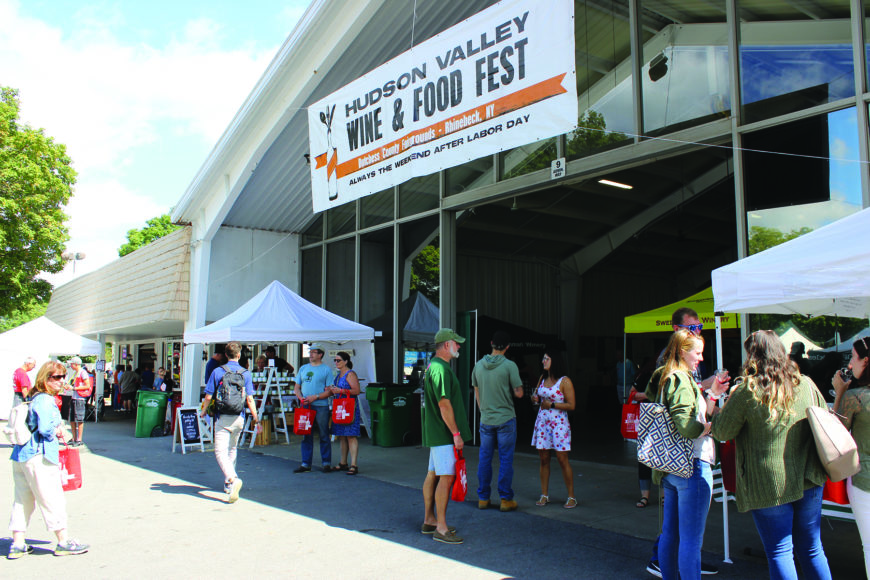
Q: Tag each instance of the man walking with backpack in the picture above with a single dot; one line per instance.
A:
(231, 388)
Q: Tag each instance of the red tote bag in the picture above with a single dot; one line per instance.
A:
(343, 409)
(835, 491)
(303, 418)
(460, 484)
(630, 412)
(70, 468)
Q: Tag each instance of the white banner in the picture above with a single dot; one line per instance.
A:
(500, 79)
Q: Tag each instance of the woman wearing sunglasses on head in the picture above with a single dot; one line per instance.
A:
(346, 383)
(779, 475)
(36, 469)
(853, 407)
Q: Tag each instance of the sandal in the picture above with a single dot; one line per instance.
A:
(642, 502)
(352, 470)
(544, 500)
(340, 467)
(570, 504)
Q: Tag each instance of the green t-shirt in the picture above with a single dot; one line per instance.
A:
(855, 415)
(442, 383)
(494, 377)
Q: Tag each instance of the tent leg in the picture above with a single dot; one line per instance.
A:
(719, 365)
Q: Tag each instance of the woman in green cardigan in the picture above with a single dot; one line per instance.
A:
(779, 475)
(687, 500)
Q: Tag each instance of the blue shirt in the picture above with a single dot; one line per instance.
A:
(43, 440)
(215, 379)
(313, 380)
(210, 366)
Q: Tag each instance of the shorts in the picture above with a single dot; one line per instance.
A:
(442, 460)
(77, 411)
(128, 397)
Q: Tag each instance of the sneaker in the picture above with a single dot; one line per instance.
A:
(16, 552)
(508, 505)
(70, 548)
(326, 469)
(235, 488)
(448, 538)
(708, 569)
(302, 469)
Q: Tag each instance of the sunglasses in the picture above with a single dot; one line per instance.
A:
(57, 377)
(694, 328)
(337, 360)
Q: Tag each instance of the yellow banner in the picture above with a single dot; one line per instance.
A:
(659, 319)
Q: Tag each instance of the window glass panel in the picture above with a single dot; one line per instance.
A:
(814, 184)
(527, 158)
(685, 77)
(602, 55)
(419, 264)
(793, 56)
(314, 233)
(418, 195)
(475, 173)
(376, 295)
(340, 277)
(341, 220)
(312, 274)
(377, 208)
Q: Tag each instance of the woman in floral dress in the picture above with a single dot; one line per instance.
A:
(555, 394)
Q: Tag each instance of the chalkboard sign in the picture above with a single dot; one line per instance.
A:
(187, 429)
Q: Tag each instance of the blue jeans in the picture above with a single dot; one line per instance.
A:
(799, 522)
(321, 421)
(687, 502)
(503, 436)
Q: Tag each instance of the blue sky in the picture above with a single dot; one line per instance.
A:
(139, 92)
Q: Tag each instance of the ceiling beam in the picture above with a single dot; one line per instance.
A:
(590, 255)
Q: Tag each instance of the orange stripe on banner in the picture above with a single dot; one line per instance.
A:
(320, 161)
(333, 163)
(501, 106)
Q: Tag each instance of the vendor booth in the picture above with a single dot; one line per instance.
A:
(278, 315)
(41, 339)
(820, 273)
(659, 320)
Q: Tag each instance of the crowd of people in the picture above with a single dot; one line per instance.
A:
(779, 481)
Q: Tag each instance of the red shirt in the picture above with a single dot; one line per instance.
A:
(20, 380)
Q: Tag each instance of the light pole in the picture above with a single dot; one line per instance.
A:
(74, 256)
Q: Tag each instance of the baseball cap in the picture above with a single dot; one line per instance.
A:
(446, 334)
(318, 346)
(75, 361)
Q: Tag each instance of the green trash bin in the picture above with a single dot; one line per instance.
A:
(395, 414)
(150, 413)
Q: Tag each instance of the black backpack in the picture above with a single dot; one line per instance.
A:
(230, 393)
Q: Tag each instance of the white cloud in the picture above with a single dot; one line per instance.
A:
(107, 99)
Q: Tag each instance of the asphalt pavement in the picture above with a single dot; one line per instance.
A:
(148, 512)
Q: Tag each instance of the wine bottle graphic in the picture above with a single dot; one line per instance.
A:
(326, 118)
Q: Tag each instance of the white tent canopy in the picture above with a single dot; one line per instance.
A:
(277, 314)
(40, 339)
(822, 272)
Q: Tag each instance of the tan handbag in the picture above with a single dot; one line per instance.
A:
(834, 443)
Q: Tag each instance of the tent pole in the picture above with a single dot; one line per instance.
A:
(725, 534)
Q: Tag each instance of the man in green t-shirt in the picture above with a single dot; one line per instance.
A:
(445, 428)
(496, 380)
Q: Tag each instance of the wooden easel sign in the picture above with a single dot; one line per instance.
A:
(188, 430)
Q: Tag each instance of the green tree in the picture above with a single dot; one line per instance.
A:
(425, 272)
(36, 181)
(762, 238)
(820, 329)
(156, 229)
(23, 315)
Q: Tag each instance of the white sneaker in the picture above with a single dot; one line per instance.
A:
(234, 491)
